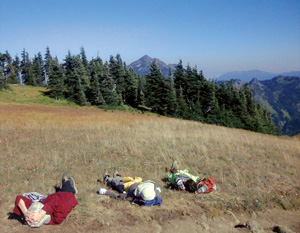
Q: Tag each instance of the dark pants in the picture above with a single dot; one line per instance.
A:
(116, 183)
(67, 187)
(124, 196)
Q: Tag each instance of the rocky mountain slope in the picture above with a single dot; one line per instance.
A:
(281, 95)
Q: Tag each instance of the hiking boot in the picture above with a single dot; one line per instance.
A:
(174, 165)
(72, 182)
(116, 173)
(105, 177)
(64, 177)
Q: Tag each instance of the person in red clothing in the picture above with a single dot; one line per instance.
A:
(53, 210)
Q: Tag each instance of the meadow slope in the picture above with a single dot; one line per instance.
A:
(257, 175)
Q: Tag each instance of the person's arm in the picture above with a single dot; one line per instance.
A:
(24, 210)
(179, 183)
(36, 217)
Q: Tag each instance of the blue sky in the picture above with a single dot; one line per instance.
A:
(216, 36)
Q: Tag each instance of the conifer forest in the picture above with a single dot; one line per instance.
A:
(185, 93)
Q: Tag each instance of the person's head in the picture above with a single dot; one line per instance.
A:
(190, 186)
(145, 191)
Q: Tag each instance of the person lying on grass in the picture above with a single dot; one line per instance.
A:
(185, 181)
(142, 193)
(52, 210)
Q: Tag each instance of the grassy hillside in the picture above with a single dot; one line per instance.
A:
(22, 94)
(257, 175)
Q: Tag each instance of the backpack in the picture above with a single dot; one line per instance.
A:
(206, 185)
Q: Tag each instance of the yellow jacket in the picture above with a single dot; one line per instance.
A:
(128, 181)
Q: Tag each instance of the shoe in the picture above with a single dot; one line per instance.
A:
(72, 182)
(174, 165)
(64, 177)
(105, 176)
(116, 173)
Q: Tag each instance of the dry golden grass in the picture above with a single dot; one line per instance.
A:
(253, 171)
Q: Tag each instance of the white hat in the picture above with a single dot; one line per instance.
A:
(145, 191)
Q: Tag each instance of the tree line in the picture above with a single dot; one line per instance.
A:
(185, 93)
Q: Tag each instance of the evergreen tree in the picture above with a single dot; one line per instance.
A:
(207, 97)
(27, 72)
(117, 71)
(16, 77)
(56, 81)
(84, 59)
(130, 87)
(141, 91)
(17, 70)
(172, 100)
(156, 90)
(108, 87)
(47, 65)
(192, 85)
(95, 95)
(6, 70)
(76, 81)
(37, 69)
(3, 84)
(182, 109)
(180, 78)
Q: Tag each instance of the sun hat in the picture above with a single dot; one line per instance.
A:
(145, 191)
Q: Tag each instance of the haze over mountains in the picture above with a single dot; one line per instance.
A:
(142, 67)
(279, 93)
(247, 76)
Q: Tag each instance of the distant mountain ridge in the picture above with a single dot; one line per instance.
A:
(280, 94)
(142, 66)
(247, 76)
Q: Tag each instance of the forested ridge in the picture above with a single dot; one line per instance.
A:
(185, 93)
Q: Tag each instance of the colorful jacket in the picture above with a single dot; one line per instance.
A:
(128, 181)
(57, 205)
(178, 178)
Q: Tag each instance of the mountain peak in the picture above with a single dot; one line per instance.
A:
(142, 66)
(146, 58)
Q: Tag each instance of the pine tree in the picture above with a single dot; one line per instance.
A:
(76, 81)
(56, 80)
(27, 72)
(141, 91)
(156, 90)
(117, 71)
(18, 72)
(3, 83)
(37, 69)
(108, 87)
(47, 69)
(172, 100)
(180, 78)
(182, 109)
(6, 70)
(84, 59)
(94, 94)
(130, 87)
